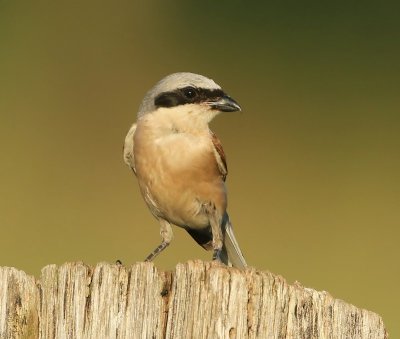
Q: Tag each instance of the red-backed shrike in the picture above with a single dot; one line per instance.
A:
(180, 164)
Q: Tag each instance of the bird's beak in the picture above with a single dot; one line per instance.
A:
(225, 104)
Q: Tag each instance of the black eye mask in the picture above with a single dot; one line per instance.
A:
(187, 95)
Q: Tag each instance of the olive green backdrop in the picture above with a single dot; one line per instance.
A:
(314, 158)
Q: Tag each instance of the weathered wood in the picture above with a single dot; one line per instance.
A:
(197, 300)
(19, 300)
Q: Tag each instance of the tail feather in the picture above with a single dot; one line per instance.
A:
(231, 254)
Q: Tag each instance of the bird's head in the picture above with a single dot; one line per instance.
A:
(188, 97)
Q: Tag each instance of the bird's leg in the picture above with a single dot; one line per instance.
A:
(166, 236)
(217, 255)
(217, 241)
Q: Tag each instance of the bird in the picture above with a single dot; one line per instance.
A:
(180, 164)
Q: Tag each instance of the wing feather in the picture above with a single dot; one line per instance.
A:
(129, 158)
(219, 155)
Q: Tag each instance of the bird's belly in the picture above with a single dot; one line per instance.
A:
(180, 186)
(180, 207)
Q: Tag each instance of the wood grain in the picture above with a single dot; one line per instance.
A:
(197, 300)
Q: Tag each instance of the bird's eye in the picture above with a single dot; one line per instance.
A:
(189, 92)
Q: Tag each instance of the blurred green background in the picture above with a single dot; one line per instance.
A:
(314, 159)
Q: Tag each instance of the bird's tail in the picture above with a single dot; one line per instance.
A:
(231, 254)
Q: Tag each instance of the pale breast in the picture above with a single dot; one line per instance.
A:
(178, 175)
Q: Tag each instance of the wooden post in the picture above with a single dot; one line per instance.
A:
(197, 300)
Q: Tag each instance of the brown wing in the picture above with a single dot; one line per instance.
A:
(219, 155)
